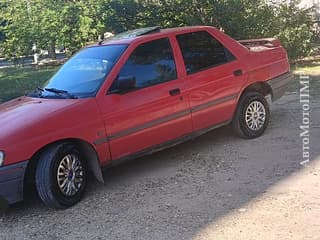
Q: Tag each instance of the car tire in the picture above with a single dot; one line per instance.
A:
(252, 116)
(61, 176)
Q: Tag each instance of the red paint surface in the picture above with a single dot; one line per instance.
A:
(29, 124)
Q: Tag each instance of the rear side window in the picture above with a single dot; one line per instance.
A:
(151, 63)
(201, 51)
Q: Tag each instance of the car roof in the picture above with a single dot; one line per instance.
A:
(141, 33)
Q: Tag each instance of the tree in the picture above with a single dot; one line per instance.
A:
(74, 23)
(293, 28)
(3, 22)
(48, 24)
(17, 29)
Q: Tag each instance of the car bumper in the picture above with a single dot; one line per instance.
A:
(279, 85)
(11, 182)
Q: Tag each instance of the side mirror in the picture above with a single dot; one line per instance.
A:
(124, 84)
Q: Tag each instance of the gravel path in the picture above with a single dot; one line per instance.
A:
(216, 185)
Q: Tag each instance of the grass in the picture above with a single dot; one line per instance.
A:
(312, 70)
(18, 81)
(310, 67)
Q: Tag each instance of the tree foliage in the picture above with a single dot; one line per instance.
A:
(294, 29)
(74, 23)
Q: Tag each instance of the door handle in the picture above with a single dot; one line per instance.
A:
(237, 73)
(174, 92)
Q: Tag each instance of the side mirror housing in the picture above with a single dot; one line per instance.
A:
(124, 84)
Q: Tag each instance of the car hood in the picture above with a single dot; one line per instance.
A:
(25, 112)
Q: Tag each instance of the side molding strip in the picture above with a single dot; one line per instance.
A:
(164, 119)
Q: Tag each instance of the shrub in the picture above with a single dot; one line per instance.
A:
(293, 26)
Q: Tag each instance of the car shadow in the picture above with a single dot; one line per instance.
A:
(175, 193)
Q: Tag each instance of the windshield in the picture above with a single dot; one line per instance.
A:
(84, 73)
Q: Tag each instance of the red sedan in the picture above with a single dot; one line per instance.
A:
(133, 94)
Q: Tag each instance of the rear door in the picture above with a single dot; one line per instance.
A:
(156, 111)
(214, 78)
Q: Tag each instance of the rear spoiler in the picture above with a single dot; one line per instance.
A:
(265, 42)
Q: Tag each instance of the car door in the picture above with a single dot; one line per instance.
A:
(214, 78)
(155, 111)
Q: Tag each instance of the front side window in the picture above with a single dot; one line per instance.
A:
(201, 51)
(149, 64)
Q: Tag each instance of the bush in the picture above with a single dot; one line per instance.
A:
(293, 26)
(242, 19)
(297, 40)
(254, 19)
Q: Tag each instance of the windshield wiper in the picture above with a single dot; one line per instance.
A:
(36, 93)
(59, 91)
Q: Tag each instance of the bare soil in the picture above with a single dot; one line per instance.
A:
(214, 187)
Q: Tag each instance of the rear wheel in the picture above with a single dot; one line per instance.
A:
(61, 176)
(252, 115)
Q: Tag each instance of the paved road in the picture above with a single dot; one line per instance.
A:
(180, 193)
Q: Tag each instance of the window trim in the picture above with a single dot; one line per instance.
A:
(205, 68)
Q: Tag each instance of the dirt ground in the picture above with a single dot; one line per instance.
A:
(214, 187)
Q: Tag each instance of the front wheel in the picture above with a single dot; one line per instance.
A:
(61, 176)
(252, 115)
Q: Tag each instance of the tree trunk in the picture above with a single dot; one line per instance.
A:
(52, 50)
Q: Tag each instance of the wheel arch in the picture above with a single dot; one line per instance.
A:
(86, 148)
(260, 87)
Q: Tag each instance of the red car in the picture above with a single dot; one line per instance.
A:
(133, 94)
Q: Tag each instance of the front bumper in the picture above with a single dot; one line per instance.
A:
(11, 182)
(279, 85)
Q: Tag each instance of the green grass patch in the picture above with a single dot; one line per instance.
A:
(310, 70)
(310, 67)
(18, 81)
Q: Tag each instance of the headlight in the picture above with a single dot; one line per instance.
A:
(1, 158)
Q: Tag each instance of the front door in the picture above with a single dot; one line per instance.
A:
(156, 110)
